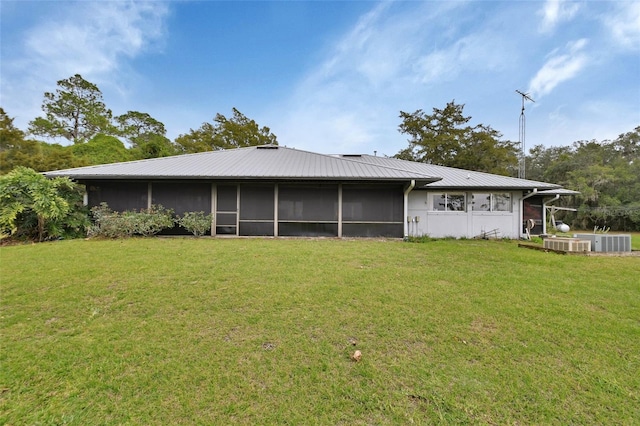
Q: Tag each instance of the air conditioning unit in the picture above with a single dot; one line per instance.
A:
(567, 244)
(607, 242)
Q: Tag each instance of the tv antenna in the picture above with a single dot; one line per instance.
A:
(522, 167)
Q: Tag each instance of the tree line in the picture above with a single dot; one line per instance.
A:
(77, 113)
(606, 173)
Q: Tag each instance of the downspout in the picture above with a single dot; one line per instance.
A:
(406, 207)
(531, 194)
(544, 212)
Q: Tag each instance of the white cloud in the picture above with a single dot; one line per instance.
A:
(389, 61)
(559, 67)
(624, 25)
(94, 39)
(555, 12)
(477, 52)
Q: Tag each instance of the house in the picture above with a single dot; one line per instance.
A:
(272, 190)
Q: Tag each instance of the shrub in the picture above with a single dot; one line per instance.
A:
(33, 206)
(146, 222)
(151, 221)
(107, 223)
(196, 222)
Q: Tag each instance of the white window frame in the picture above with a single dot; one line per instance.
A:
(493, 202)
(436, 197)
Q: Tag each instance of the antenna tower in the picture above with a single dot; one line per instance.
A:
(521, 138)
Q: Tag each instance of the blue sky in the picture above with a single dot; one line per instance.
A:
(332, 77)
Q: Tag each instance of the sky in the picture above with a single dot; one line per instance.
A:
(333, 76)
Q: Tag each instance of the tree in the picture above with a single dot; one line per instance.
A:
(153, 146)
(444, 138)
(607, 175)
(32, 205)
(75, 112)
(146, 135)
(136, 126)
(628, 145)
(541, 160)
(16, 151)
(10, 136)
(102, 149)
(236, 132)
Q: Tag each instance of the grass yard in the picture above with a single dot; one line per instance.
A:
(260, 331)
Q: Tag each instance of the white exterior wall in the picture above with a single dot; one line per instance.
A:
(467, 224)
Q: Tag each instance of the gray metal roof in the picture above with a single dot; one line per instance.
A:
(453, 178)
(263, 162)
(282, 163)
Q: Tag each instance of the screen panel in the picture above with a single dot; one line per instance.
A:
(307, 229)
(256, 229)
(256, 202)
(119, 196)
(183, 197)
(372, 203)
(372, 230)
(227, 198)
(225, 230)
(308, 202)
(226, 219)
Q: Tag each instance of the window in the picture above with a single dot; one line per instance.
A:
(501, 202)
(494, 202)
(481, 202)
(449, 202)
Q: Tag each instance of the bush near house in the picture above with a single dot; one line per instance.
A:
(146, 222)
(35, 207)
(197, 223)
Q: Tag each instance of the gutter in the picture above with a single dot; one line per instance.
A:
(406, 207)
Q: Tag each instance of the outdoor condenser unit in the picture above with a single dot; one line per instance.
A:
(607, 243)
(567, 244)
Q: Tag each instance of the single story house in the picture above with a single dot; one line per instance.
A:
(273, 190)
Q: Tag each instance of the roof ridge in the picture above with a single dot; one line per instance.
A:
(354, 159)
(341, 158)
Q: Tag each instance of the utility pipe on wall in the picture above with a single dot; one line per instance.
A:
(406, 206)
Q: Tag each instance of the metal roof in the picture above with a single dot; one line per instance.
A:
(257, 162)
(453, 178)
(281, 163)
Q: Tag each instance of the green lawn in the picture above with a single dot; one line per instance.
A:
(259, 331)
